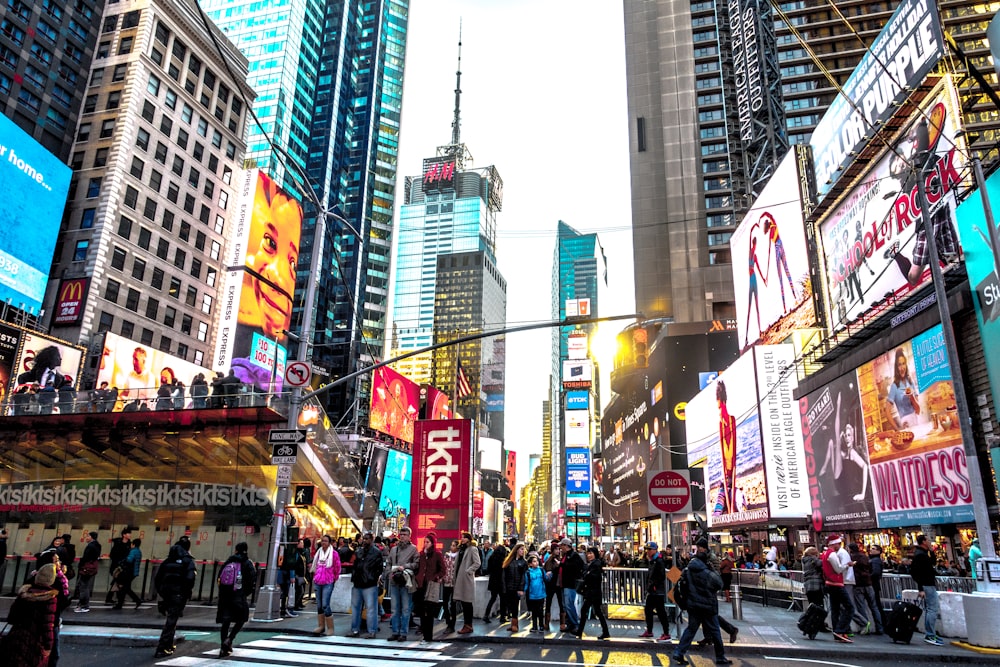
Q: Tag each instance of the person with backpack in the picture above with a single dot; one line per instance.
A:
(325, 572)
(174, 582)
(698, 590)
(656, 592)
(236, 583)
(368, 565)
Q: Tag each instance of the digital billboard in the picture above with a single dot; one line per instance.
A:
(395, 498)
(577, 470)
(871, 245)
(771, 262)
(490, 454)
(43, 359)
(723, 422)
(578, 399)
(577, 428)
(577, 373)
(9, 338)
(395, 404)
(138, 370)
(837, 463)
(918, 466)
(33, 187)
(70, 302)
(981, 267)
(909, 46)
(442, 477)
(435, 403)
(259, 287)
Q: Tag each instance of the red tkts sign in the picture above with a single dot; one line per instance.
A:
(442, 478)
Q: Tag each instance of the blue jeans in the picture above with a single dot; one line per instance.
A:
(402, 605)
(931, 610)
(710, 622)
(323, 593)
(367, 597)
(569, 606)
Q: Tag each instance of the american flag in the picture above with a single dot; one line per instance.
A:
(462, 382)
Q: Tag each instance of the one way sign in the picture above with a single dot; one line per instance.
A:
(282, 436)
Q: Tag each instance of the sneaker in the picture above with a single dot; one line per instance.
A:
(842, 638)
(664, 638)
(80, 610)
(678, 660)
(370, 635)
(292, 613)
(354, 635)
(867, 630)
(646, 635)
(933, 640)
(424, 642)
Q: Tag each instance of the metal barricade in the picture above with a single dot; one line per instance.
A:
(625, 586)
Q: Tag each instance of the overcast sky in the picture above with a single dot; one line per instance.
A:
(543, 99)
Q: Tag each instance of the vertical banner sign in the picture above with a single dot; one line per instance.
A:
(909, 46)
(918, 463)
(69, 301)
(9, 338)
(442, 477)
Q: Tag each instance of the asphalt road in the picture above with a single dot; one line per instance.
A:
(272, 648)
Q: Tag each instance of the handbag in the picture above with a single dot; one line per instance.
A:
(433, 593)
(116, 573)
(88, 569)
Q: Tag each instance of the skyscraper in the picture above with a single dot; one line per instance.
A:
(329, 75)
(696, 167)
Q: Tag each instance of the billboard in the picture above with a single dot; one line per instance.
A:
(435, 403)
(909, 46)
(439, 174)
(138, 370)
(577, 428)
(42, 359)
(70, 301)
(981, 267)
(511, 472)
(871, 245)
(396, 487)
(836, 453)
(494, 402)
(576, 345)
(33, 187)
(577, 373)
(723, 422)
(9, 338)
(395, 404)
(259, 287)
(772, 239)
(577, 470)
(918, 466)
(442, 477)
(578, 399)
(378, 459)
(490, 454)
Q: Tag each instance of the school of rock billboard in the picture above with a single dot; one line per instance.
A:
(771, 262)
(259, 286)
(909, 46)
(744, 425)
(871, 244)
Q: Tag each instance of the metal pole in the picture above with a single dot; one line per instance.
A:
(983, 527)
(268, 602)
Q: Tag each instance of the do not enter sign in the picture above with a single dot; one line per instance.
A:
(670, 491)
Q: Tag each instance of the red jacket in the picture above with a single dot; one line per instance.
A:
(830, 573)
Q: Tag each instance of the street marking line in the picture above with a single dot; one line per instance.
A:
(818, 662)
(285, 658)
(317, 645)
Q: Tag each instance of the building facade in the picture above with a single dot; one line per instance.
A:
(159, 139)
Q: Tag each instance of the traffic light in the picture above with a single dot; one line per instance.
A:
(639, 347)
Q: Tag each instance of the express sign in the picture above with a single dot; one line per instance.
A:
(670, 491)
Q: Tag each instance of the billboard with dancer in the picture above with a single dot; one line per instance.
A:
(775, 277)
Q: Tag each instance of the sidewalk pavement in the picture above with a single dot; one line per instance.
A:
(764, 631)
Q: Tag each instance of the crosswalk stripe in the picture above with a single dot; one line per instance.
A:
(325, 646)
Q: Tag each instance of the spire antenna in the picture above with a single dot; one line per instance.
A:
(456, 124)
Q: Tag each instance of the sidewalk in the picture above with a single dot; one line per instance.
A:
(764, 631)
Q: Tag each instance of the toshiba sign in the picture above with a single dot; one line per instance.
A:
(442, 476)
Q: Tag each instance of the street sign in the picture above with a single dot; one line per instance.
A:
(279, 436)
(298, 373)
(670, 491)
(284, 476)
(284, 445)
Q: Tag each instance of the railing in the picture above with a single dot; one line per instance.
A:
(893, 585)
(769, 587)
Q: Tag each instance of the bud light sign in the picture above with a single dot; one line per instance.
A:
(442, 476)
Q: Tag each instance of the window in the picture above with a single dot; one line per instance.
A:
(195, 270)
(107, 320)
(182, 138)
(199, 358)
(166, 125)
(101, 157)
(83, 134)
(157, 56)
(208, 191)
(216, 250)
(186, 323)
(157, 281)
(131, 198)
(199, 150)
(125, 228)
(180, 258)
(223, 199)
(155, 180)
(87, 219)
(90, 104)
(145, 238)
(125, 45)
(705, 116)
(127, 328)
(170, 316)
(118, 258)
(211, 277)
(173, 192)
(170, 99)
(119, 72)
(139, 269)
(148, 111)
(189, 203)
(185, 232)
(153, 85)
(194, 177)
(230, 150)
(199, 241)
(137, 167)
(640, 131)
(114, 100)
(718, 202)
(186, 114)
(165, 343)
(146, 338)
(220, 223)
(192, 296)
(179, 49)
(111, 290)
(152, 308)
(80, 251)
(94, 187)
(149, 210)
(103, 50)
(206, 304)
(162, 248)
(161, 33)
(107, 128)
(110, 23)
(712, 132)
(204, 214)
(168, 221)
(719, 238)
(76, 161)
(174, 290)
(216, 139)
(178, 166)
(182, 349)
(202, 335)
(132, 300)
(161, 153)
(194, 65)
(130, 20)
(142, 139)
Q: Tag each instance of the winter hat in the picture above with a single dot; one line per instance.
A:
(834, 538)
(566, 542)
(46, 576)
(432, 537)
(703, 543)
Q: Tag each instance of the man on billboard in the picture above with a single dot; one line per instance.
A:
(139, 381)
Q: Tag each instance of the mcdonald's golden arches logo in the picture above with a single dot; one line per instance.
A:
(69, 304)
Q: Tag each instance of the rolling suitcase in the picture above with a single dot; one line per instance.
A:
(902, 621)
(812, 619)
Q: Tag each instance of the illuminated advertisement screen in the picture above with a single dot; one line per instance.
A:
(395, 500)
(33, 187)
(138, 370)
(436, 403)
(259, 287)
(578, 399)
(70, 301)
(577, 470)
(577, 428)
(395, 404)
(918, 467)
(577, 373)
(724, 420)
(771, 262)
(870, 243)
(43, 359)
(377, 461)
(9, 338)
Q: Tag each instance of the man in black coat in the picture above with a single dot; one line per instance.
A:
(703, 606)
(120, 546)
(174, 582)
(656, 591)
(368, 566)
(494, 569)
(571, 573)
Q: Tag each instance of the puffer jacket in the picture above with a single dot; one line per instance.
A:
(704, 587)
(812, 574)
(513, 575)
